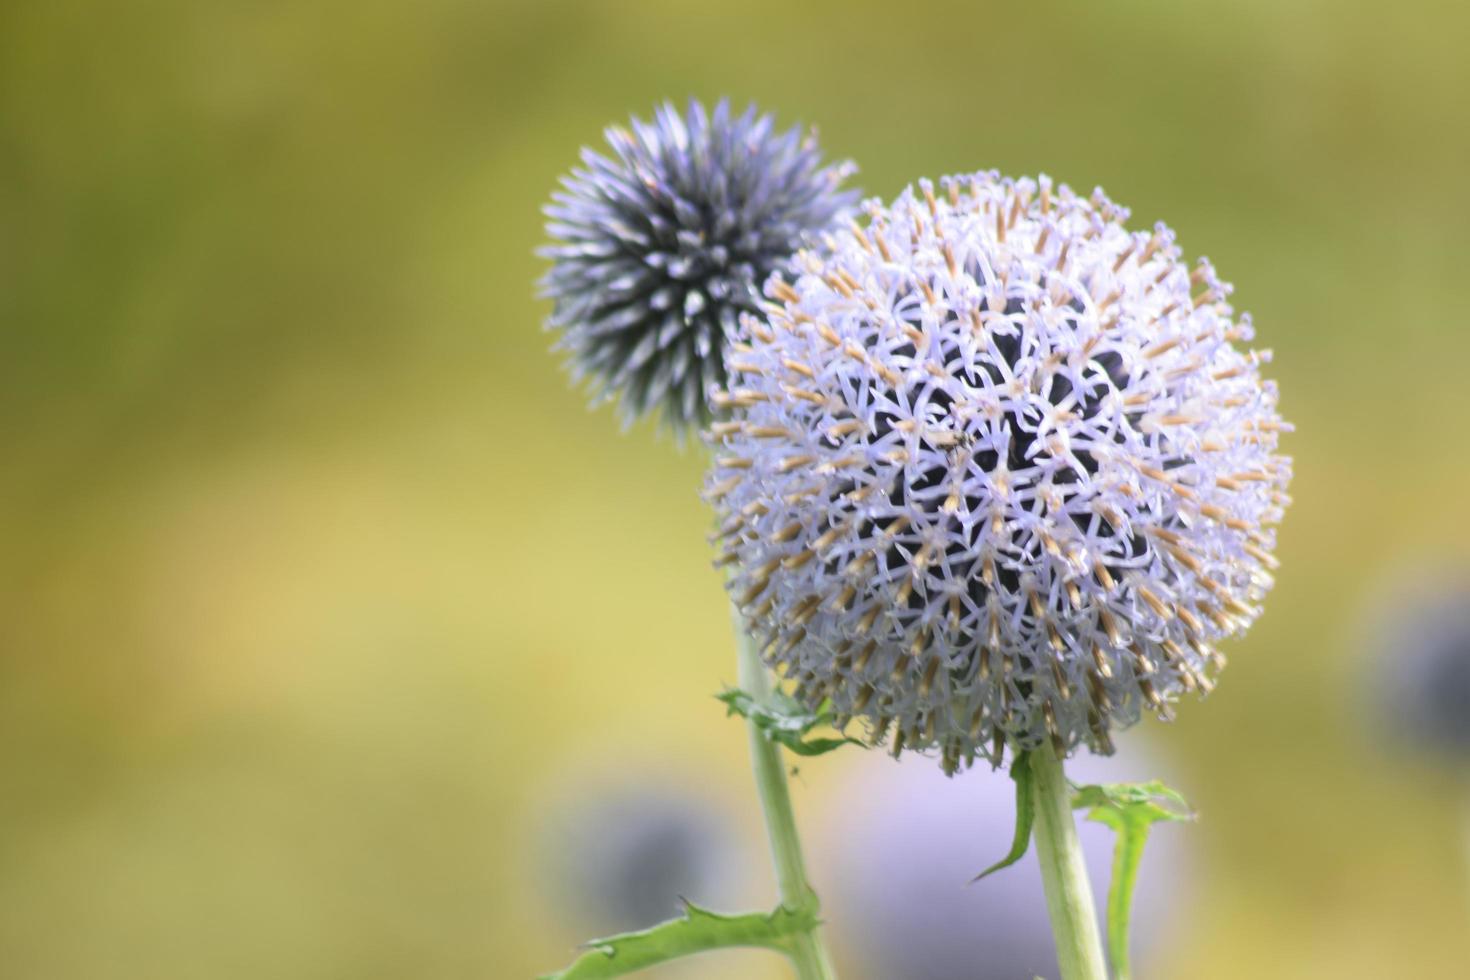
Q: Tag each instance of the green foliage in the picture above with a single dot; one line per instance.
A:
(1131, 809)
(1025, 814)
(696, 931)
(784, 721)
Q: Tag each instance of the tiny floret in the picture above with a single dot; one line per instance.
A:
(992, 469)
(660, 247)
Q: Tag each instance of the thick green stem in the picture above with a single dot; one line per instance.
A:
(807, 953)
(1063, 873)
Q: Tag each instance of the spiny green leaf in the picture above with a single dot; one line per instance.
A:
(782, 719)
(1131, 809)
(696, 931)
(1025, 814)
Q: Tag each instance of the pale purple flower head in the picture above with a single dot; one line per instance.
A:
(994, 470)
(662, 246)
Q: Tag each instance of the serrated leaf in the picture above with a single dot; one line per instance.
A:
(696, 931)
(1131, 810)
(1025, 814)
(785, 721)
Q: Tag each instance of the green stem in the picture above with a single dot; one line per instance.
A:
(1063, 873)
(807, 953)
(696, 931)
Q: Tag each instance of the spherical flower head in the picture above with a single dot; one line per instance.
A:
(662, 246)
(995, 471)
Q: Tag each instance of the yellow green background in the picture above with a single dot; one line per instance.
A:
(315, 574)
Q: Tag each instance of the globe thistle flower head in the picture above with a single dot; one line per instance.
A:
(994, 470)
(661, 246)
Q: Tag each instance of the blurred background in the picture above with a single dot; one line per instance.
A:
(322, 596)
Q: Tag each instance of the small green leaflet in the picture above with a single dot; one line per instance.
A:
(1131, 809)
(1025, 813)
(696, 931)
(784, 721)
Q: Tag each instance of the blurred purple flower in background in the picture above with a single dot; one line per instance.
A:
(620, 857)
(1420, 670)
(901, 842)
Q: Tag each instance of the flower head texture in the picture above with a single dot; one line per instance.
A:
(994, 471)
(661, 247)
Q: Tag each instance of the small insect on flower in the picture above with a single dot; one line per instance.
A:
(993, 470)
(662, 246)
